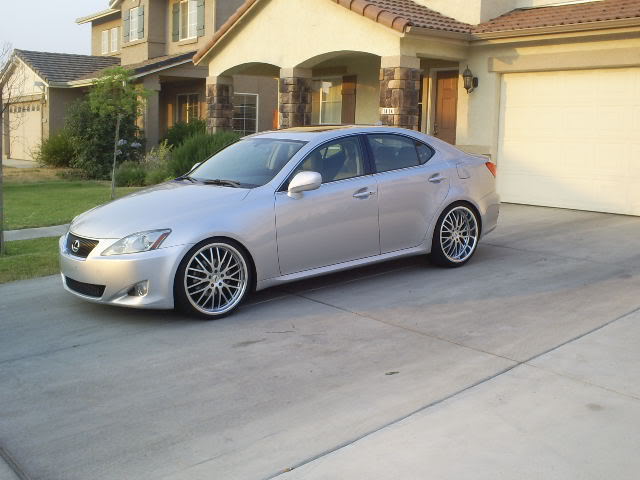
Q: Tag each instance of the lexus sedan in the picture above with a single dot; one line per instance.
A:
(277, 207)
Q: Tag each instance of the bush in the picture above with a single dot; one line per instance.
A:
(57, 151)
(197, 149)
(181, 131)
(130, 174)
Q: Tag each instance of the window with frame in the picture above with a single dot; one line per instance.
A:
(188, 19)
(337, 160)
(245, 113)
(114, 39)
(327, 101)
(392, 152)
(133, 24)
(105, 42)
(188, 107)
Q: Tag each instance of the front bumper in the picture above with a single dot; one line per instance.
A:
(119, 273)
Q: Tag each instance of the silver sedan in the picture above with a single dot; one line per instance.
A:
(278, 207)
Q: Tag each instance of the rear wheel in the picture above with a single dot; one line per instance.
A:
(455, 237)
(212, 279)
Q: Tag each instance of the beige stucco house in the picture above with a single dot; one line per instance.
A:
(553, 88)
(156, 39)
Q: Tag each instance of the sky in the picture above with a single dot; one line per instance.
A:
(49, 25)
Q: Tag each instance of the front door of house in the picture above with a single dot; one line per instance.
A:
(444, 126)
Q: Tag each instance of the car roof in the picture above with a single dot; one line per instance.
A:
(322, 132)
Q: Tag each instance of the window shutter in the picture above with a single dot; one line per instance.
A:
(141, 21)
(200, 18)
(349, 99)
(175, 33)
(126, 28)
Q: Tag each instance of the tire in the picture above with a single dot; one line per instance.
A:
(455, 237)
(213, 279)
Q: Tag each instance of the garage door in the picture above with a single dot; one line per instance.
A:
(25, 120)
(571, 139)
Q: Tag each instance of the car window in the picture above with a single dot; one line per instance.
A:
(251, 162)
(391, 152)
(335, 161)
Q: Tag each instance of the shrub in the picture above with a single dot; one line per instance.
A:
(197, 149)
(181, 131)
(130, 174)
(57, 151)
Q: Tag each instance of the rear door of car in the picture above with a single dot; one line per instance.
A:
(412, 184)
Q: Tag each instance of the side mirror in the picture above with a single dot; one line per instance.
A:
(304, 182)
(195, 166)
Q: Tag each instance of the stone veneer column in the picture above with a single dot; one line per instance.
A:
(219, 104)
(399, 91)
(294, 100)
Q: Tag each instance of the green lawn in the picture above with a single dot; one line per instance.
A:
(28, 259)
(42, 204)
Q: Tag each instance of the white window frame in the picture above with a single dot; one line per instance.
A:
(257, 110)
(115, 39)
(179, 113)
(192, 20)
(105, 42)
(325, 79)
(133, 24)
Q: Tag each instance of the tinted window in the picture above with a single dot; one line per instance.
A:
(251, 162)
(335, 161)
(391, 152)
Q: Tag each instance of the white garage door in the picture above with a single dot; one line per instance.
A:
(25, 130)
(571, 139)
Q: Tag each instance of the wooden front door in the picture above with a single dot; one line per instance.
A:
(444, 126)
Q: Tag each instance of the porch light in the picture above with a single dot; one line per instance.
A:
(470, 82)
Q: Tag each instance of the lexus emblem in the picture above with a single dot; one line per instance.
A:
(75, 246)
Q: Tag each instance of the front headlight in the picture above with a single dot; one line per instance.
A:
(138, 242)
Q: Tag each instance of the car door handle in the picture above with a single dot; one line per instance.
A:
(436, 178)
(364, 194)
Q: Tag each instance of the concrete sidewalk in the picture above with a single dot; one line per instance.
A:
(29, 233)
(573, 412)
(10, 162)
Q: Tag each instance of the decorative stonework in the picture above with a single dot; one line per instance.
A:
(219, 107)
(399, 97)
(295, 102)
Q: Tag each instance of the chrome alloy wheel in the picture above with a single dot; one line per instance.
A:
(459, 234)
(215, 278)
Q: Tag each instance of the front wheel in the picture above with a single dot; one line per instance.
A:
(212, 279)
(455, 237)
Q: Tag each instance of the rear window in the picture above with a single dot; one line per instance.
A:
(392, 152)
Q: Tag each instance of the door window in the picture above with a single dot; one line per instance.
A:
(391, 152)
(335, 161)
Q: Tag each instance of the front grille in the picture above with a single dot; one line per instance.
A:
(87, 289)
(83, 246)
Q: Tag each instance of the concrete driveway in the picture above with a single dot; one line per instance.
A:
(523, 364)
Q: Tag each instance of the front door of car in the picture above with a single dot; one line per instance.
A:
(412, 184)
(335, 223)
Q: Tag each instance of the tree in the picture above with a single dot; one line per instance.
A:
(114, 96)
(12, 82)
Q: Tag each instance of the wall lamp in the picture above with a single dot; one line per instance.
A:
(470, 82)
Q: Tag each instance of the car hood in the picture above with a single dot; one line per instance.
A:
(154, 208)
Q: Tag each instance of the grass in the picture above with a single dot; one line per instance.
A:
(28, 259)
(39, 198)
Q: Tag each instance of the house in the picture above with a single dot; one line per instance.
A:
(157, 40)
(549, 89)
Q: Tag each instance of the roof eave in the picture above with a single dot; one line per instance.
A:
(432, 32)
(97, 16)
(569, 28)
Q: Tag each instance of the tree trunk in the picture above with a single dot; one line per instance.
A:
(115, 156)
(2, 148)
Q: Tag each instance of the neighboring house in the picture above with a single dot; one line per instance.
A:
(156, 39)
(557, 96)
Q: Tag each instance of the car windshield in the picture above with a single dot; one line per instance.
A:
(249, 163)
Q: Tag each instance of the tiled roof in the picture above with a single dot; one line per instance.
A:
(151, 64)
(400, 14)
(64, 67)
(560, 15)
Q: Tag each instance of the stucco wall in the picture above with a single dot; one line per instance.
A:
(267, 90)
(192, 44)
(59, 101)
(97, 28)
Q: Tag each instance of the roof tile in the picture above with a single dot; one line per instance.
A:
(64, 67)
